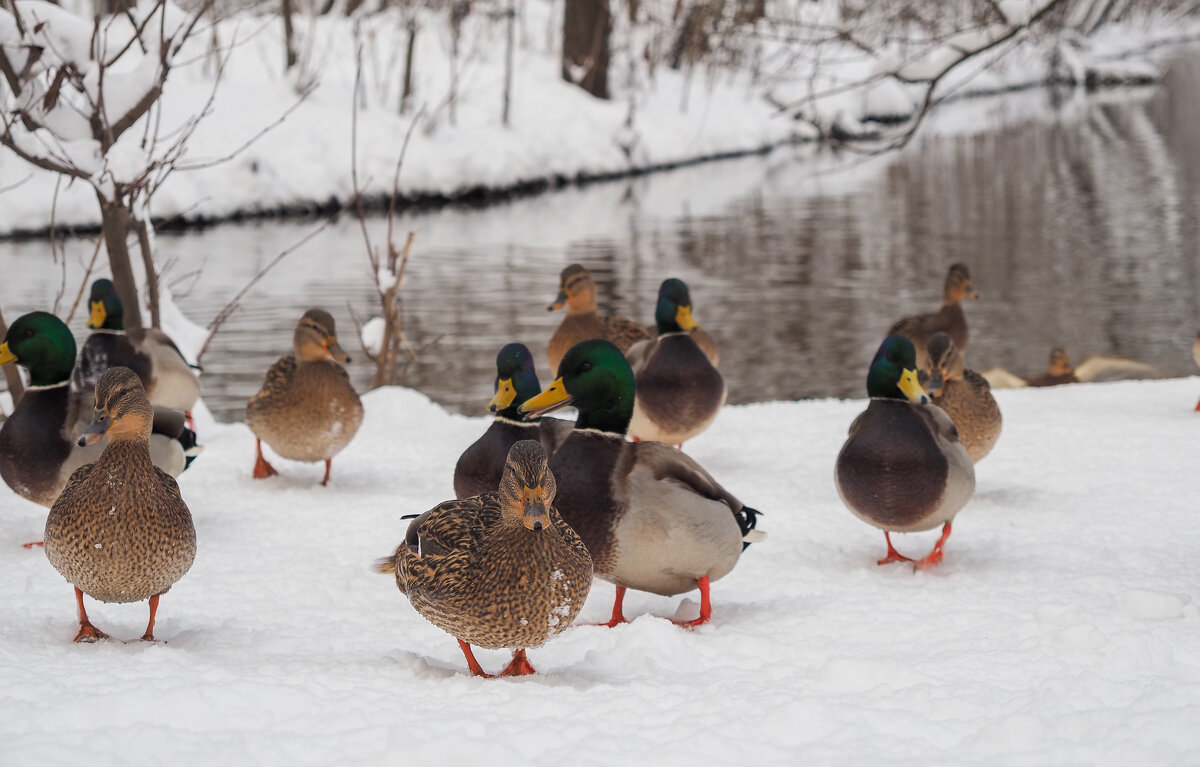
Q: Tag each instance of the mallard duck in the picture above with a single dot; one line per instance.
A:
(120, 531)
(167, 376)
(1059, 371)
(678, 391)
(38, 452)
(307, 409)
(500, 569)
(903, 468)
(948, 319)
(480, 466)
(965, 396)
(577, 292)
(651, 517)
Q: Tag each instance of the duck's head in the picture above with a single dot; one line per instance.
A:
(516, 381)
(958, 285)
(42, 344)
(946, 362)
(122, 411)
(527, 485)
(893, 373)
(596, 378)
(674, 310)
(316, 338)
(576, 291)
(105, 308)
(1060, 363)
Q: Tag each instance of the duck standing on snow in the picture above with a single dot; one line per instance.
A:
(38, 452)
(902, 468)
(120, 531)
(307, 409)
(1058, 372)
(577, 292)
(650, 516)
(149, 352)
(497, 570)
(678, 391)
(948, 319)
(480, 466)
(965, 396)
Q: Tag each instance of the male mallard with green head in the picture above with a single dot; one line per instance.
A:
(500, 569)
(966, 397)
(678, 390)
(479, 467)
(120, 531)
(651, 517)
(577, 292)
(307, 409)
(902, 468)
(38, 452)
(167, 376)
(948, 319)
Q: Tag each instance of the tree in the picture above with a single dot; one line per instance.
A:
(587, 27)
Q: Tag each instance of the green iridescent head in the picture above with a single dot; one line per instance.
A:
(893, 373)
(674, 310)
(594, 377)
(42, 344)
(516, 381)
(105, 308)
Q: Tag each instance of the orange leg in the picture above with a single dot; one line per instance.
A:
(476, 669)
(87, 632)
(935, 557)
(31, 544)
(262, 469)
(705, 607)
(149, 635)
(191, 422)
(1198, 406)
(892, 555)
(519, 666)
(328, 466)
(618, 615)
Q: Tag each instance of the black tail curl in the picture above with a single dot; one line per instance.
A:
(747, 520)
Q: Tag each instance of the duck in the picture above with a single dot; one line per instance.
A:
(678, 390)
(307, 409)
(481, 465)
(168, 377)
(902, 467)
(948, 319)
(497, 570)
(577, 292)
(1059, 371)
(120, 531)
(966, 397)
(651, 517)
(38, 450)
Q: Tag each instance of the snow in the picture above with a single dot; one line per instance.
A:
(1061, 628)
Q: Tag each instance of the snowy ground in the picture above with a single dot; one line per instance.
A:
(1062, 628)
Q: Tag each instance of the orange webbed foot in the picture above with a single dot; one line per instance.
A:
(89, 633)
(31, 544)
(518, 666)
(892, 554)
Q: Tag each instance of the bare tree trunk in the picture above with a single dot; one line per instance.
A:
(587, 26)
(144, 245)
(115, 224)
(407, 93)
(16, 387)
(289, 40)
(508, 60)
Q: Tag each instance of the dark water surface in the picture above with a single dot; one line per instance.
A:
(1078, 216)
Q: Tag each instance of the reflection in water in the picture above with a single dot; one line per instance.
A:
(1074, 216)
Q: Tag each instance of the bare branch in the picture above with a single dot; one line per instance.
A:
(87, 274)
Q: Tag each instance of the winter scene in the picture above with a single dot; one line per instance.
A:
(665, 382)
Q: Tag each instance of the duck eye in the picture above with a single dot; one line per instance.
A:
(585, 367)
(28, 333)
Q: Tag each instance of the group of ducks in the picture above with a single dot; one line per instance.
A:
(543, 505)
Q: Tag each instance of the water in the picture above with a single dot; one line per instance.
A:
(1076, 214)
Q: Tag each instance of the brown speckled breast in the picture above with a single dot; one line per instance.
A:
(121, 535)
(970, 404)
(307, 411)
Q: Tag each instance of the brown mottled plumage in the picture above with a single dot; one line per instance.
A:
(577, 292)
(965, 396)
(500, 569)
(120, 531)
(307, 410)
(948, 319)
(1059, 371)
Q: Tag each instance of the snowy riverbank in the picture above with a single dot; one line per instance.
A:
(1061, 628)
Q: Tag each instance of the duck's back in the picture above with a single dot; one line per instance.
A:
(120, 535)
(970, 404)
(949, 319)
(306, 411)
(33, 446)
(479, 467)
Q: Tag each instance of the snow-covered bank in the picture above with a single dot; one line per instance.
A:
(1061, 629)
(557, 133)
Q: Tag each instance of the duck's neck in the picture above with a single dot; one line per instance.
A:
(613, 418)
(127, 451)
